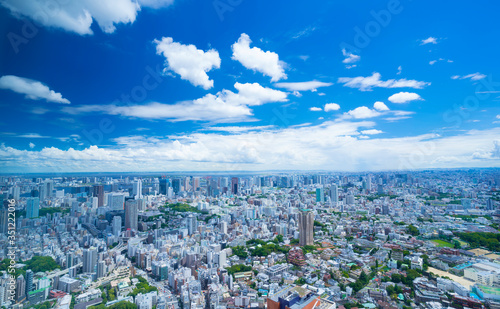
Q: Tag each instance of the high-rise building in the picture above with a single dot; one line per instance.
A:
(137, 189)
(32, 207)
(99, 193)
(29, 281)
(117, 225)
(20, 288)
(320, 195)
(164, 185)
(116, 201)
(101, 267)
(234, 185)
(176, 185)
(4, 217)
(306, 226)
(131, 215)
(191, 224)
(196, 183)
(334, 193)
(89, 260)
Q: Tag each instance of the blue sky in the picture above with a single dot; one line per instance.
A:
(182, 85)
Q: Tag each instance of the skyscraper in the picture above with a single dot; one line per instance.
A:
(234, 185)
(29, 281)
(191, 224)
(131, 215)
(20, 288)
(320, 195)
(89, 260)
(32, 207)
(137, 189)
(117, 225)
(176, 185)
(306, 225)
(99, 193)
(334, 193)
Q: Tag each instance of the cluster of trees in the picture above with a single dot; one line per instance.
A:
(407, 280)
(482, 239)
(317, 223)
(391, 290)
(44, 305)
(265, 248)
(238, 268)
(36, 264)
(412, 230)
(308, 249)
(240, 251)
(142, 287)
(121, 305)
(181, 207)
(362, 281)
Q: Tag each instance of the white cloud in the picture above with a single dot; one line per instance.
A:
(315, 109)
(380, 106)
(256, 59)
(77, 16)
(432, 62)
(331, 107)
(369, 82)
(239, 129)
(361, 112)
(350, 58)
(498, 117)
(32, 145)
(32, 135)
(225, 106)
(32, 89)
(371, 132)
(400, 69)
(190, 63)
(429, 40)
(303, 86)
(404, 97)
(332, 145)
(474, 76)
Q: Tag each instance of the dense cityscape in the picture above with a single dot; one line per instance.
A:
(427, 239)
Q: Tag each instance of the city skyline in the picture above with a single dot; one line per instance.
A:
(216, 86)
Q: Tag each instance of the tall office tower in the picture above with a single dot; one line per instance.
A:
(131, 215)
(20, 288)
(334, 193)
(4, 217)
(137, 189)
(32, 207)
(89, 260)
(101, 266)
(164, 185)
(42, 192)
(187, 186)
(70, 259)
(176, 185)
(16, 193)
(196, 183)
(320, 195)
(490, 205)
(224, 183)
(385, 209)
(191, 224)
(350, 199)
(116, 201)
(117, 225)
(223, 227)
(234, 185)
(306, 226)
(50, 187)
(29, 281)
(99, 193)
(369, 182)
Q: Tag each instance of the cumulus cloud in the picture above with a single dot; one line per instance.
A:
(190, 63)
(303, 86)
(371, 132)
(361, 112)
(78, 16)
(380, 106)
(32, 145)
(32, 89)
(429, 40)
(315, 109)
(367, 83)
(224, 106)
(349, 57)
(404, 97)
(256, 59)
(473, 76)
(332, 145)
(331, 107)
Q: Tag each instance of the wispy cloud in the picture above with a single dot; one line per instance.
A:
(367, 83)
(303, 86)
(473, 76)
(32, 89)
(429, 40)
